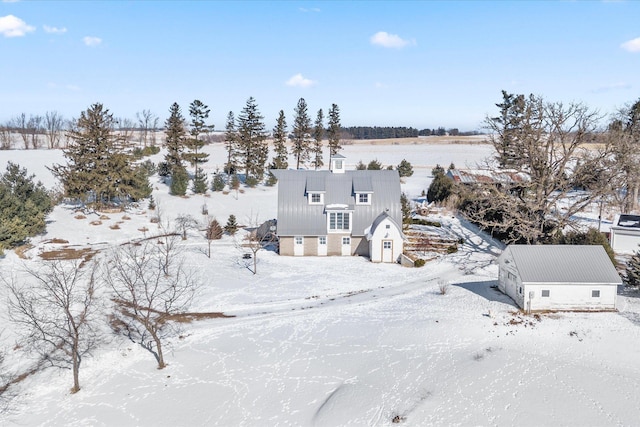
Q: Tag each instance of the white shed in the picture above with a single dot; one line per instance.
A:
(385, 239)
(559, 277)
(625, 233)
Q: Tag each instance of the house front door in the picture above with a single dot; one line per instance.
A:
(387, 251)
(298, 246)
(346, 246)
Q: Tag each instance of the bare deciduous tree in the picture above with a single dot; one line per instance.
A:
(184, 223)
(57, 312)
(53, 128)
(126, 128)
(20, 124)
(35, 129)
(257, 239)
(5, 136)
(550, 141)
(148, 300)
(147, 126)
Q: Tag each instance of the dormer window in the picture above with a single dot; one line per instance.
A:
(363, 198)
(316, 198)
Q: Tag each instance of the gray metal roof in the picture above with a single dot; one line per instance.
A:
(315, 183)
(296, 217)
(588, 264)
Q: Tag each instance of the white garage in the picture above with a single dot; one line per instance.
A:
(625, 233)
(559, 277)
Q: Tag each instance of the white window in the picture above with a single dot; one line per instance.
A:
(386, 244)
(322, 240)
(298, 240)
(339, 221)
(315, 198)
(338, 164)
(545, 293)
(346, 241)
(595, 294)
(363, 199)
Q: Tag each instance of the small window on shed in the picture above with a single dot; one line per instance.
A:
(520, 290)
(545, 293)
(595, 294)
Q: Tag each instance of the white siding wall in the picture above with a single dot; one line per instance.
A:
(625, 240)
(508, 280)
(571, 297)
(383, 233)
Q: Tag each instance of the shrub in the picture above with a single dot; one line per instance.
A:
(419, 262)
(374, 165)
(443, 287)
(179, 181)
(251, 181)
(218, 183)
(420, 221)
(452, 249)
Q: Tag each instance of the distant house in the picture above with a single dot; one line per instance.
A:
(558, 277)
(340, 212)
(625, 233)
(485, 176)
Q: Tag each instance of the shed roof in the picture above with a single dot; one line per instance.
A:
(564, 264)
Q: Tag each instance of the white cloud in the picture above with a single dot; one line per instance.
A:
(10, 1)
(92, 41)
(384, 39)
(299, 81)
(313, 9)
(54, 30)
(631, 45)
(612, 87)
(11, 26)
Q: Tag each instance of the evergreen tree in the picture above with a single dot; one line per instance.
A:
(199, 113)
(252, 140)
(333, 131)
(633, 270)
(199, 182)
(318, 134)
(441, 187)
(405, 208)
(232, 226)
(361, 166)
(280, 160)
(24, 205)
(179, 181)
(301, 133)
(218, 183)
(175, 136)
(231, 144)
(405, 168)
(97, 165)
(374, 165)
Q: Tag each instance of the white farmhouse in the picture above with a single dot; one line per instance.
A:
(340, 212)
(625, 233)
(559, 277)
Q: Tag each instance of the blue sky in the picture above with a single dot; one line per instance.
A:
(421, 64)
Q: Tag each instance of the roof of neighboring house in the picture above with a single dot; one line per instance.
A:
(564, 264)
(296, 217)
(485, 176)
(627, 221)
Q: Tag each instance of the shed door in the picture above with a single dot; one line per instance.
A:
(322, 245)
(387, 251)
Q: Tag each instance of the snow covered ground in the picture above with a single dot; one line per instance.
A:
(336, 341)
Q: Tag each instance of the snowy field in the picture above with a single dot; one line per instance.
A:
(335, 341)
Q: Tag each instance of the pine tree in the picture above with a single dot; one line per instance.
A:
(252, 140)
(232, 226)
(199, 182)
(199, 113)
(405, 207)
(179, 181)
(318, 134)
(97, 165)
(633, 270)
(300, 133)
(404, 168)
(175, 136)
(333, 130)
(280, 160)
(218, 183)
(231, 144)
